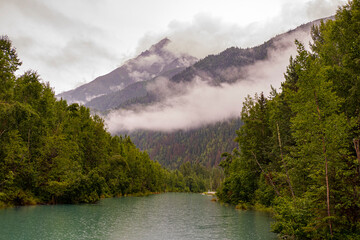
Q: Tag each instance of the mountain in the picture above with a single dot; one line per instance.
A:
(205, 144)
(229, 66)
(128, 84)
(152, 63)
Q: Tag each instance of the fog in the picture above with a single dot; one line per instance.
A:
(191, 105)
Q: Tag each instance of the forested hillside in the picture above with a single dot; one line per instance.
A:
(299, 149)
(204, 145)
(52, 152)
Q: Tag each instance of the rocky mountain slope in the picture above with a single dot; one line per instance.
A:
(155, 62)
(229, 66)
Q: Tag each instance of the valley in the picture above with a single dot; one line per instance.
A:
(177, 140)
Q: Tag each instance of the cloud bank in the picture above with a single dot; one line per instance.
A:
(192, 105)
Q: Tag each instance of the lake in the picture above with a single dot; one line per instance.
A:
(161, 216)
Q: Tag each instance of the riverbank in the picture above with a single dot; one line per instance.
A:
(209, 193)
(33, 201)
(247, 206)
(256, 207)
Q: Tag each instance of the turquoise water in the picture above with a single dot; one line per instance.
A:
(162, 216)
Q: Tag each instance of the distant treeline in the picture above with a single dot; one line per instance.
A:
(299, 148)
(52, 152)
(203, 145)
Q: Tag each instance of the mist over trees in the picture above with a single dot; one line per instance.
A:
(299, 148)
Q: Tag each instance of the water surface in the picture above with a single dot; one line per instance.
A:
(162, 216)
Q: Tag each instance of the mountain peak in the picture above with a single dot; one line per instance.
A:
(160, 45)
(154, 62)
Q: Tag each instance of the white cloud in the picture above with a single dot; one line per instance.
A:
(117, 87)
(139, 76)
(147, 61)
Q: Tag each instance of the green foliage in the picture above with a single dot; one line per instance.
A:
(203, 145)
(300, 146)
(52, 152)
(196, 177)
(9, 63)
(292, 217)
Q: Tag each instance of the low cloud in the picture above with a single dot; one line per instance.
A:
(148, 61)
(163, 88)
(140, 76)
(191, 105)
(202, 105)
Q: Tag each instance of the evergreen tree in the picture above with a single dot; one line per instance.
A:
(305, 139)
(52, 152)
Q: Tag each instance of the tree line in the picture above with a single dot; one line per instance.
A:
(52, 152)
(203, 145)
(299, 148)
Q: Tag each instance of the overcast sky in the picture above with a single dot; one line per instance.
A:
(71, 42)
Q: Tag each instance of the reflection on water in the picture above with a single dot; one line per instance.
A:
(162, 216)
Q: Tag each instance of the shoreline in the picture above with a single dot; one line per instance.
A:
(35, 202)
